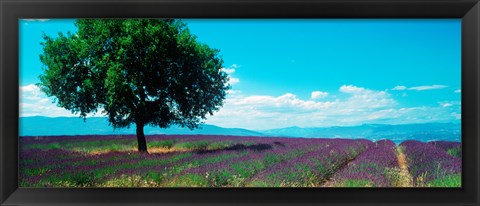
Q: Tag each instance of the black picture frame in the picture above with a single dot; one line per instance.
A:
(12, 10)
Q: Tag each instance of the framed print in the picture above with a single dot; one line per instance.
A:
(246, 103)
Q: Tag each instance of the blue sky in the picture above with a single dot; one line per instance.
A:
(307, 73)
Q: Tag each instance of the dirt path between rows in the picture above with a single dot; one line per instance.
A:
(405, 179)
(329, 180)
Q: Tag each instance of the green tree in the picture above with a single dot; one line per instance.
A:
(136, 71)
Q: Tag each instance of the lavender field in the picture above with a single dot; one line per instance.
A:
(235, 161)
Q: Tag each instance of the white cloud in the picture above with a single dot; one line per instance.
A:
(34, 102)
(29, 88)
(49, 110)
(39, 20)
(318, 94)
(351, 89)
(357, 106)
(420, 88)
(286, 101)
(411, 115)
(447, 105)
(265, 111)
(428, 87)
(31, 92)
(365, 98)
(233, 92)
(230, 70)
(233, 81)
(400, 88)
(458, 91)
(261, 112)
(450, 103)
(457, 116)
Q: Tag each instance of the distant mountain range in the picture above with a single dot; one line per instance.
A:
(45, 126)
(397, 133)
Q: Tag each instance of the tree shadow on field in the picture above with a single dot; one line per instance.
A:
(239, 147)
(279, 144)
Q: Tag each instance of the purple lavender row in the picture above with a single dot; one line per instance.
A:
(312, 168)
(53, 166)
(38, 158)
(171, 168)
(58, 162)
(223, 173)
(57, 158)
(453, 148)
(446, 145)
(51, 139)
(428, 162)
(371, 165)
(206, 159)
(122, 163)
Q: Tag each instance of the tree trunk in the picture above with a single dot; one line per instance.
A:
(142, 143)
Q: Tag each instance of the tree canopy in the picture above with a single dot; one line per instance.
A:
(135, 71)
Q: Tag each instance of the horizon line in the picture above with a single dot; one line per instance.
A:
(456, 122)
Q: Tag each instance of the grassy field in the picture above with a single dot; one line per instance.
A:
(230, 161)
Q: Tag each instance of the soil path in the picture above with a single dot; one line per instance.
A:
(330, 180)
(405, 179)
